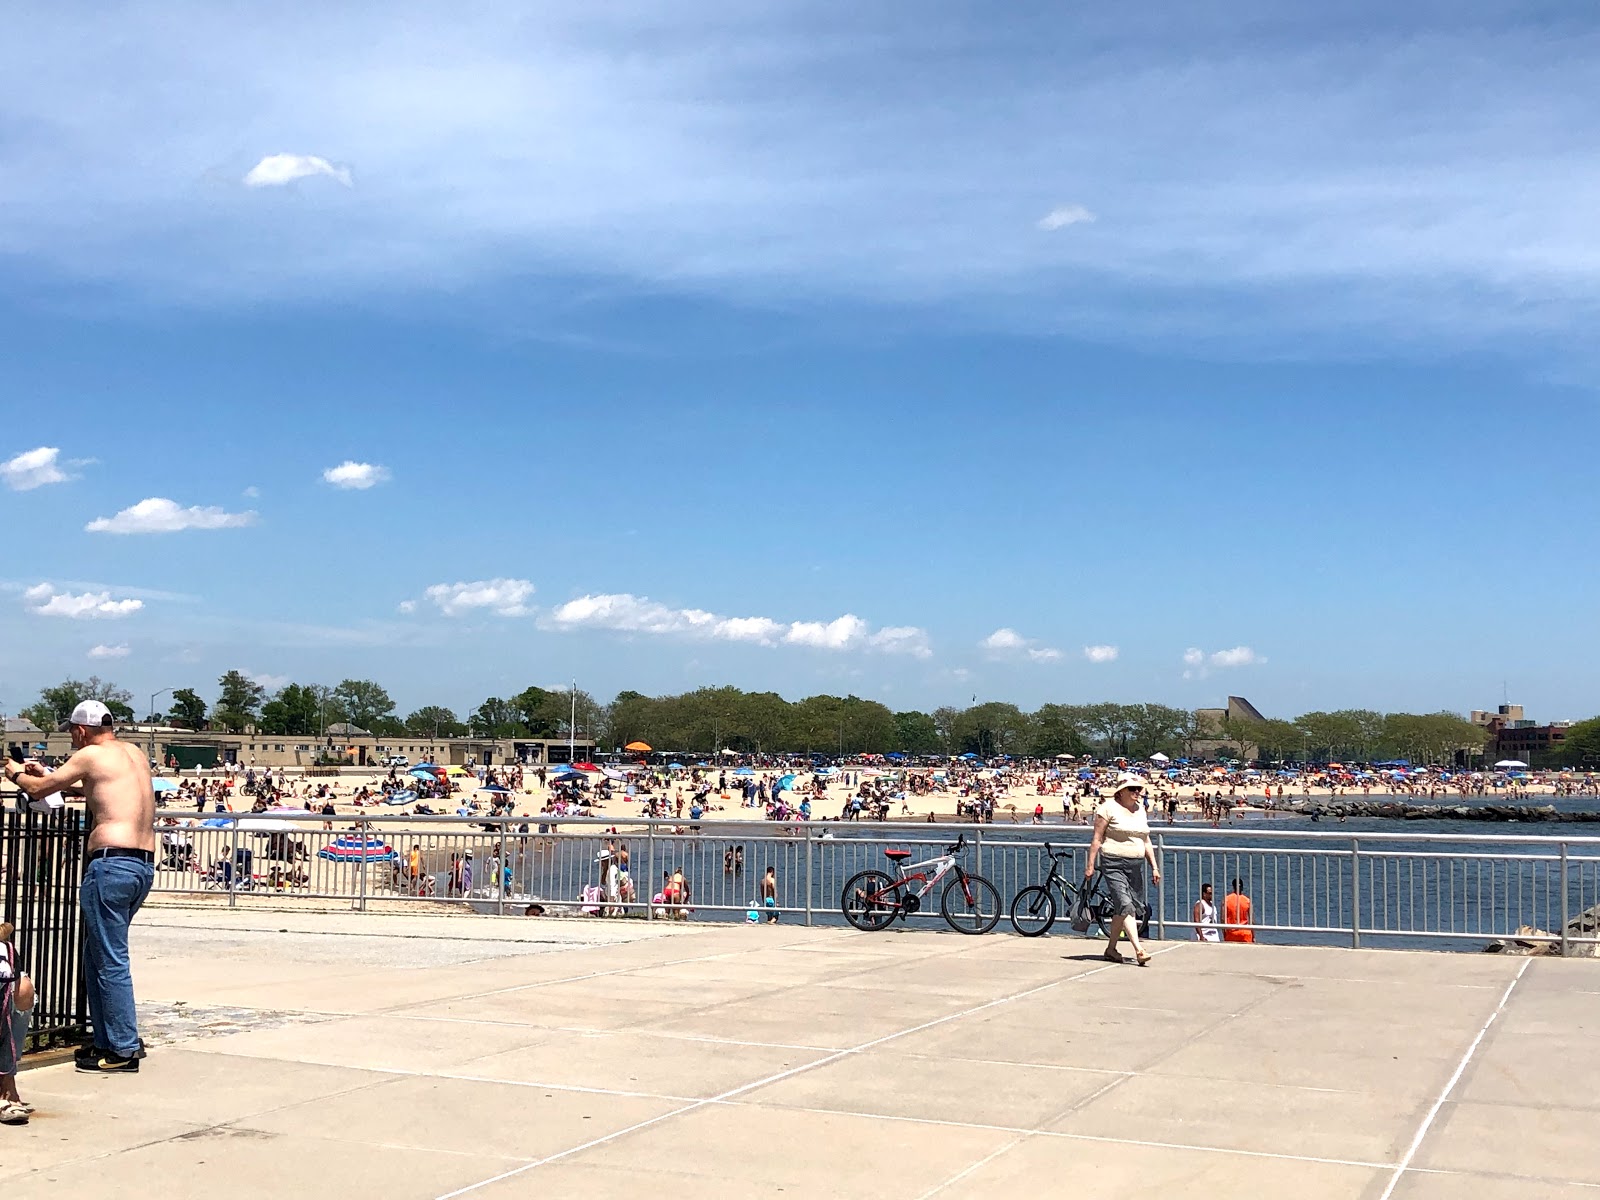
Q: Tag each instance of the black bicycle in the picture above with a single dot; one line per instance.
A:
(1035, 907)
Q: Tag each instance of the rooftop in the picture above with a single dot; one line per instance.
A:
(417, 1056)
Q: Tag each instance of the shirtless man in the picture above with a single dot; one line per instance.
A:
(114, 780)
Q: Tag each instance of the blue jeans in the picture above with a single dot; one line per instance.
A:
(113, 890)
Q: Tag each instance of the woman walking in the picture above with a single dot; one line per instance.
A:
(1121, 846)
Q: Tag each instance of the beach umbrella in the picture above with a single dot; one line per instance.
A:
(1085, 774)
(969, 755)
(784, 783)
(585, 766)
(1159, 757)
(638, 747)
(1063, 758)
(744, 771)
(163, 785)
(358, 849)
(676, 767)
(455, 770)
(494, 789)
(405, 797)
(895, 756)
(1510, 762)
(421, 772)
(728, 753)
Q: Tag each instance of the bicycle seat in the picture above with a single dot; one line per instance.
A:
(897, 855)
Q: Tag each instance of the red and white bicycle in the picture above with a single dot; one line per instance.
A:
(873, 899)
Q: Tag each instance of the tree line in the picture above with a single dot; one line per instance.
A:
(711, 718)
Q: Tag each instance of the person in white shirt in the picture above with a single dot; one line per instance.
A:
(1121, 847)
(1205, 917)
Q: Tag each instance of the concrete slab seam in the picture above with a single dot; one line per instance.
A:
(1450, 1084)
(771, 1079)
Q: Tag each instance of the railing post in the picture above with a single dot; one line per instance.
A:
(233, 867)
(1160, 906)
(363, 830)
(1565, 916)
(1355, 893)
(650, 872)
(810, 872)
(500, 883)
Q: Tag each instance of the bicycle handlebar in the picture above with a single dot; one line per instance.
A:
(961, 844)
(1056, 854)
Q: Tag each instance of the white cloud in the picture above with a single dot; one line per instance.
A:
(1194, 656)
(627, 613)
(157, 515)
(275, 170)
(355, 476)
(408, 606)
(834, 635)
(271, 682)
(502, 597)
(1003, 639)
(1060, 218)
(104, 651)
(33, 468)
(251, 493)
(1239, 656)
(1101, 654)
(45, 601)
(902, 639)
(1006, 642)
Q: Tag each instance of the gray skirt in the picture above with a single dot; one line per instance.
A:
(1124, 884)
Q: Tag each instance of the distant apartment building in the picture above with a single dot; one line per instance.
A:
(1513, 737)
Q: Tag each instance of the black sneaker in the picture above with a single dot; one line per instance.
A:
(92, 1052)
(108, 1063)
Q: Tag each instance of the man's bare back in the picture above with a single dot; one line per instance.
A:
(115, 780)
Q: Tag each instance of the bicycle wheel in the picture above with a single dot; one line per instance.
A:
(863, 903)
(978, 915)
(1033, 911)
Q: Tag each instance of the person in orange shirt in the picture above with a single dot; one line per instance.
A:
(1236, 915)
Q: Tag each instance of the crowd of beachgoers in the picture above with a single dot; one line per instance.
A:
(800, 789)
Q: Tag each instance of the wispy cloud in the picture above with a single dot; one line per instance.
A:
(275, 170)
(1006, 642)
(1101, 654)
(105, 651)
(355, 476)
(1060, 218)
(1365, 191)
(502, 597)
(43, 600)
(627, 613)
(157, 515)
(33, 468)
(1199, 663)
(271, 682)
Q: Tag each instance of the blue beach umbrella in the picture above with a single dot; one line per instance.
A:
(358, 849)
(744, 771)
(784, 783)
(1085, 774)
(494, 789)
(421, 773)
(676, 767)
(163, 785)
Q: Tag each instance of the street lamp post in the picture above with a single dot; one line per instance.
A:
(151, 712)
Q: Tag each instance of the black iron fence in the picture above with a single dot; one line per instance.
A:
(41, 864)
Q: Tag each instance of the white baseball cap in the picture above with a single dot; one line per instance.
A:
(89, 713)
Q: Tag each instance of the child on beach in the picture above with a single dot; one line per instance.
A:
(16, 1003)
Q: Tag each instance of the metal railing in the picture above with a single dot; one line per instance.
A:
(1308, 887)
(41, 866)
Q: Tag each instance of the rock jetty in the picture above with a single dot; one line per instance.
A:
(1395, 810)
(1529, 942)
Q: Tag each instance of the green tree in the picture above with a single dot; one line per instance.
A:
(240, 701)
(298, 710)
(188, 710)
(434, 720)
(56, 703)
(916, 733)
(495, 718)
(1056, 729)
(1277, 740)
(1582, 745)
(364, 702)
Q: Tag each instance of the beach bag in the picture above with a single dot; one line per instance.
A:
(1082, 914)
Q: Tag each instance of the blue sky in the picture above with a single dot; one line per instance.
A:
(1131, 354)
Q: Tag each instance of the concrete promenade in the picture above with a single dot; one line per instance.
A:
(303, 1054)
